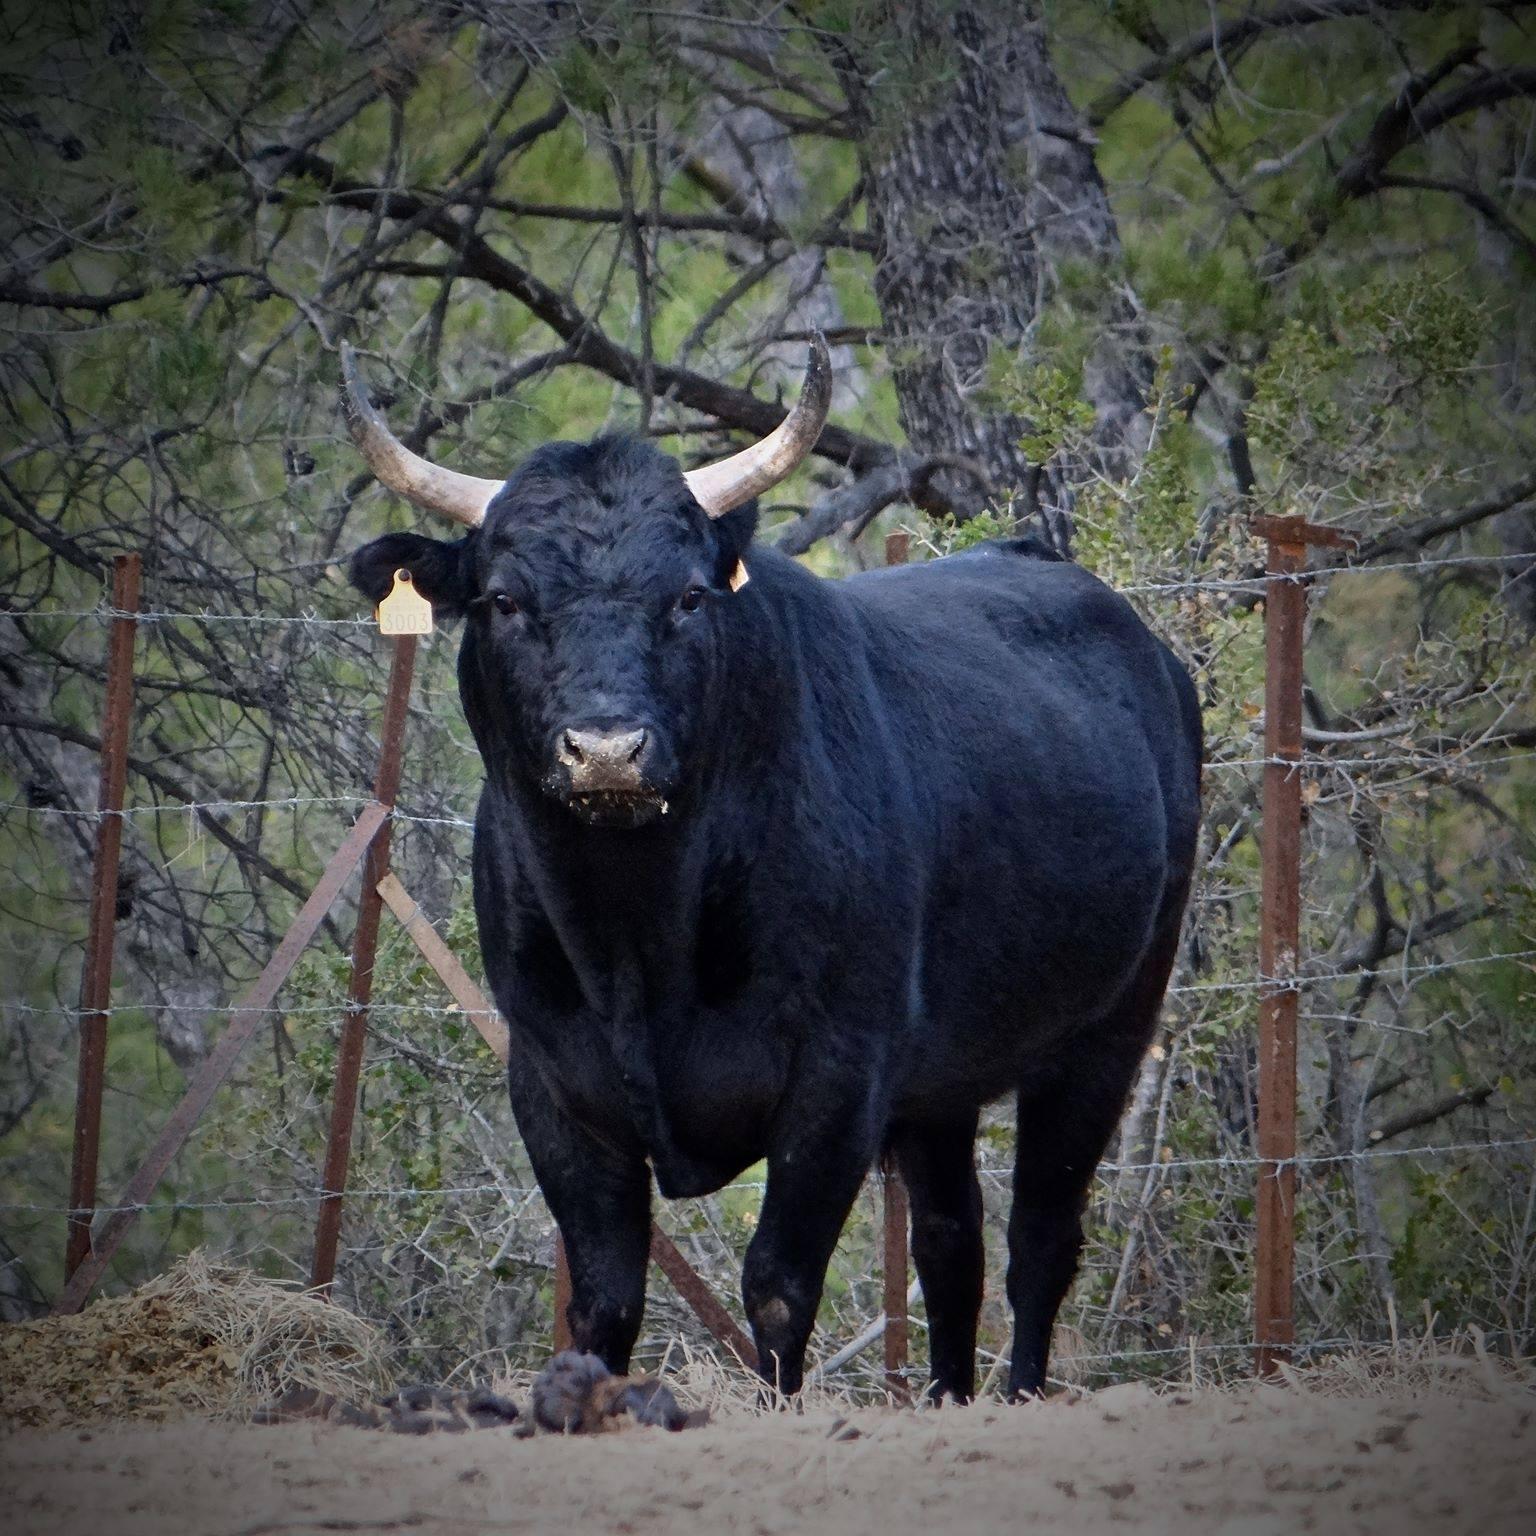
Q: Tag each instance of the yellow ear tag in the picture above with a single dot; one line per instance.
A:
(404, 611)
(739, 577)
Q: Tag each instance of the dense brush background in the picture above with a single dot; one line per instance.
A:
(1118, 273)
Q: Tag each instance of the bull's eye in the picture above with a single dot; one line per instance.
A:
(692, 600)
(503, 602)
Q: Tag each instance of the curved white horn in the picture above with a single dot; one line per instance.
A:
(463, 498)
(720, 486)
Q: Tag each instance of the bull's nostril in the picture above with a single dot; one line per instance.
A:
(601, 753)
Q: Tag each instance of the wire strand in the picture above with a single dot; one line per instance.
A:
(442, 1192)
(1258, 984)
(1247, 585)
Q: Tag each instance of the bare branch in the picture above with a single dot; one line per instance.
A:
(1431, 528)
(1476, 199)
(1427, 1114)
(1416, 114)
(744, 225)
(173, 787)
(1226, 35)
(590, 346)
(21, 294)
(855, 505)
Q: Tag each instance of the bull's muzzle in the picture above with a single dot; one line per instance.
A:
(603, 762)
(605, 771)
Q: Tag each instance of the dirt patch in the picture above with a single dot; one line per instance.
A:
(1416, 1439)
(1261, 1461)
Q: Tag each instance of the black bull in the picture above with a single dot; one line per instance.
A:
(804, 871)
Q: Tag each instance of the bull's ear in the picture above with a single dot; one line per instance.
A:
(440, 570)
(733, 533)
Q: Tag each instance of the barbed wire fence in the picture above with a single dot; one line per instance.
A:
(448, 1243)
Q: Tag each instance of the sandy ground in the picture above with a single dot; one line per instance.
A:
(1259, 1461)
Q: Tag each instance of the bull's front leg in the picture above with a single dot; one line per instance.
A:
(601, 1201)
(814, 1174)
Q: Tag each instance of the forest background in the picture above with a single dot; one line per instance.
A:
(1119, 274)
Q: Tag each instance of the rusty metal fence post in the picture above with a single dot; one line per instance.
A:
(365, 943)
(893, 1277)
(1285, 612)
(96, 976)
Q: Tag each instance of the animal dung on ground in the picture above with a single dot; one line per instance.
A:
(571, 1394)
(648, 1402)
(418, 1410)
(576, 1394)
(307, 1403)
(411, 1411)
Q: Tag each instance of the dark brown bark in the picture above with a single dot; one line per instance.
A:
(982, 189)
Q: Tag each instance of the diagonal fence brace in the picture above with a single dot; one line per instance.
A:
(248, 1015)
(461, 986)
(692, 1287)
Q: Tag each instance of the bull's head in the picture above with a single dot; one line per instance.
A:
(594, 580)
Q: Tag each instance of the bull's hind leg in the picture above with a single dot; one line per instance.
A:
(1062, 1132)
(938, 1163)
(1064, 1124)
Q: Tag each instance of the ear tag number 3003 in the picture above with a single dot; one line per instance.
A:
(404, 611)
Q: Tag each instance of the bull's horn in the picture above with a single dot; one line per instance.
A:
(463, 498)
(720, 486)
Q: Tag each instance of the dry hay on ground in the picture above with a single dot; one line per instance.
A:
(1426, 1366)
(200, 1339)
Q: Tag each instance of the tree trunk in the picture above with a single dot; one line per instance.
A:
(982, 188)
(1501, 151)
